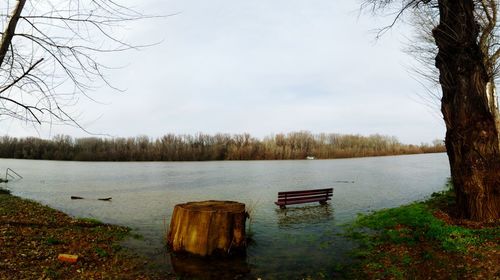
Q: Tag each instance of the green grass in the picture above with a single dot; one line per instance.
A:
(90, 221)
(51, 273)
(408, 224)
(101, 252)
(53, 241)
(412, 223)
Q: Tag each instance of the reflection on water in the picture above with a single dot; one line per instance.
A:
(293, 217)
(296, 243)
(193, 267)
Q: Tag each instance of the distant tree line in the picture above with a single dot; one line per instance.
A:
(202, 147)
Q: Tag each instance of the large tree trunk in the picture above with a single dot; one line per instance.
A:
(472, 140)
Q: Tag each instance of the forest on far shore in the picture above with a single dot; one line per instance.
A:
(202, 147)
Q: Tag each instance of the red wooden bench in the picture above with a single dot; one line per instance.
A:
(305, 196)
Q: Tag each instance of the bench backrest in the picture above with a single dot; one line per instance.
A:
(305, 195)
(328, 191)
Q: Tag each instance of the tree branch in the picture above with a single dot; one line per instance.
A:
(21, 77)
(10, 30)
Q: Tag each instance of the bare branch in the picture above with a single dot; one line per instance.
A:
(21, 77)
(67, 36)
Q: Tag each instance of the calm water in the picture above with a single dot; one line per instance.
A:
(289, 243)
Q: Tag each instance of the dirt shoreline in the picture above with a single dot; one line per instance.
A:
(33, 235)
(425, 240)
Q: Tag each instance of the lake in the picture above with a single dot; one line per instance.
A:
(293, 243)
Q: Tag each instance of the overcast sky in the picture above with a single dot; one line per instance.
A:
(262, 67)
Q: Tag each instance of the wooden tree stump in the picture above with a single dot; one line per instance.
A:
(208, 227)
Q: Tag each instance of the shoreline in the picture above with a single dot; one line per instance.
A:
(424, 240)
(33, 235)
(414, 241)
(233, 160)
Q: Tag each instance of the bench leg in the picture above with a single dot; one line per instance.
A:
(323, 202)
(282, 206)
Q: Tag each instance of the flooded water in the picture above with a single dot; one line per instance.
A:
(292, 243)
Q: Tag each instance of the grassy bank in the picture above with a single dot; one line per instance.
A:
(424, 240)
(32, 236)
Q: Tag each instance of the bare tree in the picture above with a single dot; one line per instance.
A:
(49, 54)
(466, 53)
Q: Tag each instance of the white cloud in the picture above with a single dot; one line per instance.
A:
(261, 67)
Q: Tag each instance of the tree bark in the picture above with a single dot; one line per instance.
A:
(472, 140)
(10, 29)
(208, 227)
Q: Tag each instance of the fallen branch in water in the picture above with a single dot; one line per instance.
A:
(102, 199)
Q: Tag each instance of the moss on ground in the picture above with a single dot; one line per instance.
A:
(423, 240)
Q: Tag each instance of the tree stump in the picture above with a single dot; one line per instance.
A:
(209, 227)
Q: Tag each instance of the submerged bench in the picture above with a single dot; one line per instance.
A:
(305, 196)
